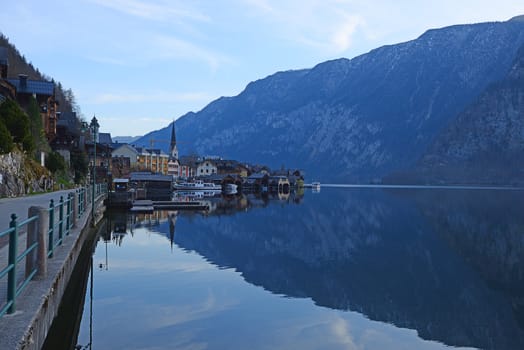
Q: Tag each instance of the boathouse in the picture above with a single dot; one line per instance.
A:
(257, 182)
(279, 184)
(151, 186)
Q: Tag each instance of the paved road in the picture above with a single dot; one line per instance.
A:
(21, 205)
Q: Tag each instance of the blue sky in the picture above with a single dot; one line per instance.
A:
(139, 64)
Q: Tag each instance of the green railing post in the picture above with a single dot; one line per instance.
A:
(51, 227)
(68, 214)
(61, 220)
(80, 201)
(11, 277)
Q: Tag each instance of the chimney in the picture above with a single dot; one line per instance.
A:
(23, 81)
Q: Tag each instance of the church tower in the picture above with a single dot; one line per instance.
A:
(173, 150)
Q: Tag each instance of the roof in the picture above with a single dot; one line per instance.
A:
(118, 146)
(141, 176)
(156, 151)
(39, 87)
(257, 176)
(105, 138)
(67, 119)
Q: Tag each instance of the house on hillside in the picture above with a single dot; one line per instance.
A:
(103, 156)
(7, 90)
(67, 134)
(44, 93)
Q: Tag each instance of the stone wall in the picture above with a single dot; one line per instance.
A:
(19, 176)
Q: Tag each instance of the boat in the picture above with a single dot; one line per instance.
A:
(230, 189)
(315, 185)
(197, 185)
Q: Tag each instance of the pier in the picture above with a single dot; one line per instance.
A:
(35, 277)
(149, 205)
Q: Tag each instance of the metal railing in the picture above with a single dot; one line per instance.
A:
(63, 224)
(13, 288)
(53, 223)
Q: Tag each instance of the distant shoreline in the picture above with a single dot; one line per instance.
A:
(427, 187)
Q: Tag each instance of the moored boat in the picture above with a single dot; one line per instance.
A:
(197, 185)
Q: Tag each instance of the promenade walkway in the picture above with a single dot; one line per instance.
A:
(38, 303)
(20, 205)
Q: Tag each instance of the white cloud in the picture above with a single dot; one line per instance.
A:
(169, 47)
(343, 33)
(327, 25)
(156, 11)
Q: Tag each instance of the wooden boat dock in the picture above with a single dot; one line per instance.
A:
(149, 205)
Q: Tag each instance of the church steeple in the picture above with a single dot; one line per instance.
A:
(173, 149)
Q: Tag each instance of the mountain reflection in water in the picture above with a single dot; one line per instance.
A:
(446, 263)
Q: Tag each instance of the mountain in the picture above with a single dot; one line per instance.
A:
(485, 143)
(125, 139)
(356, 119)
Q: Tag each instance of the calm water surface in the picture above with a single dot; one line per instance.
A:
(345, 268)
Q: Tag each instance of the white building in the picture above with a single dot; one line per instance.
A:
(206, 167)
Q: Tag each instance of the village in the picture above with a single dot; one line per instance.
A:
(158, 174)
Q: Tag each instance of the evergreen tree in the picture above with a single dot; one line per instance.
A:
(6, 142)
(18, 125)
(37, 129)
(55, 162)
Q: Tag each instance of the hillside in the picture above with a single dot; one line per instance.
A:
(485, 143)
(18, 64)
(359, 119)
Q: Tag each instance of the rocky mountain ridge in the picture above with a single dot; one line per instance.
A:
(359, 119)
(485, 143)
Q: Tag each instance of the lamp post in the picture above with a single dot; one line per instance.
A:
(94, 129)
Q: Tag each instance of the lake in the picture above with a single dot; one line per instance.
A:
(344, 268)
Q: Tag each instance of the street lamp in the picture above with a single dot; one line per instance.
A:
(94, 130)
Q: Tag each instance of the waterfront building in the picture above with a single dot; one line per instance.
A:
(206, 167)
(152, 159)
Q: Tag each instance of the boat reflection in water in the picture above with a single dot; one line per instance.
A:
(446, 264)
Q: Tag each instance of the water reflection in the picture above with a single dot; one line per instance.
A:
(448, 264)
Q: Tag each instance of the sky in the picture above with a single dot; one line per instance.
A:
(140, 64)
